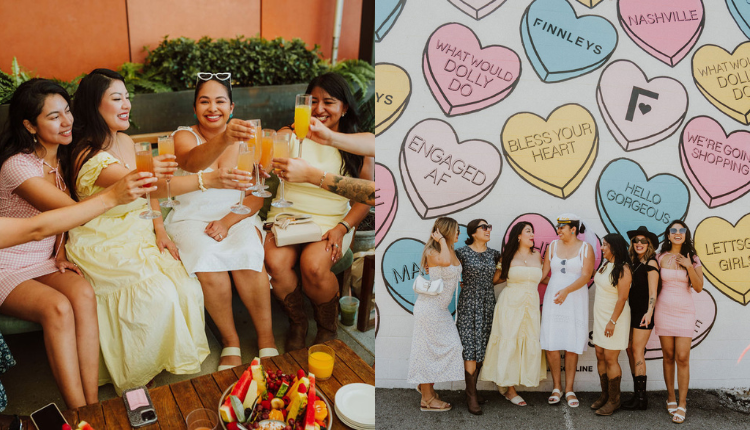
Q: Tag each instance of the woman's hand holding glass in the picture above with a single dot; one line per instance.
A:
(164, 166)
(239, 130)
(129, 188)
(228, 178)
(144, 161)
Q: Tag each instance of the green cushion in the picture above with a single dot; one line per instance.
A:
(346, 260)
(10, 325)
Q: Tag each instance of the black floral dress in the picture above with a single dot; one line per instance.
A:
(476, 302)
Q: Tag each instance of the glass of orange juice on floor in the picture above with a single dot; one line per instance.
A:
(144, 162)
(267, 135)
(166, 146)
(302, 114)
(245, 160)
(320, 360)
(202, 419)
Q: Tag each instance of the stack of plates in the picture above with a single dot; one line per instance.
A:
(355, 406)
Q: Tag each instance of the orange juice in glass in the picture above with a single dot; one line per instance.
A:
(302, 113)
(281, 144)
(257, 146)
(245, 162)
(245, 159)
(320, 359)
(166, 146)
(144, 162)
(266, 137)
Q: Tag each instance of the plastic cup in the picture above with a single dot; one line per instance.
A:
(349, 306)
(202, 419)
(320, 359)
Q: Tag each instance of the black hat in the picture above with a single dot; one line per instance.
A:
(643, 231)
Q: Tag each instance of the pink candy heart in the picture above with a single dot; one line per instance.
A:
(717, 165)
(463, 76)
(386, 201)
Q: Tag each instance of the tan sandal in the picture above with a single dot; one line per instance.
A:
(444, 407)
(679, 418)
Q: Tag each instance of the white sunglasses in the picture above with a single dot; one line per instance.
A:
(206, 76)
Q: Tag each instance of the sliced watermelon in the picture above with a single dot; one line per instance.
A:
(310, 415)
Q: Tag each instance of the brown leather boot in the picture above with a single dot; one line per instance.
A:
(480, 399)
(604, 380)
(613, 403)
(294, 307)
(327, 317)
(471, 392)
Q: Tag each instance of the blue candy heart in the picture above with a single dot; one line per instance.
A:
(386, 13)
(562, 46)
(740, 10)
(626, 198)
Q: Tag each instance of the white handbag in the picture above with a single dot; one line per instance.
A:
(291, 229)
(425, 286)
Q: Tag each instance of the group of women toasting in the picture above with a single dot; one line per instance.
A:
(121, 298)
(637, 290)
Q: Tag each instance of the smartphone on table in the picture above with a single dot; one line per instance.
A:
(48, 418)
(139, 407)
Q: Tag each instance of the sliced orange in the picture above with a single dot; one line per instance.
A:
(276, 414)
(321, 411)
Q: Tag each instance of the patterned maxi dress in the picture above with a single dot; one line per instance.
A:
(476, 301)
(435, 347)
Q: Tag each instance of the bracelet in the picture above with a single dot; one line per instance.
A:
(200, 181)
(322, 179)
(346, 225)
(613, 323)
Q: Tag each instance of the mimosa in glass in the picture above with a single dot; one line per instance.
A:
(281, 143)
(245, 160)
(267, 135)
(258, 146)
(302, 113)
(320, 361)
(144, 162)
(166, 146)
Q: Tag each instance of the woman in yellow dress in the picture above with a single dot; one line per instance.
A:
(611, 319)
(514, 354)
(335, 107)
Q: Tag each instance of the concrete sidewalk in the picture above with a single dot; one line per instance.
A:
(707, 409)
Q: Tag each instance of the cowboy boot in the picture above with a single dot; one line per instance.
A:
(327, 317)
(471, 393)
(294, 307)
(480, 399)
(605, 395)
(640, 382)
(613, 403)
(632, 403)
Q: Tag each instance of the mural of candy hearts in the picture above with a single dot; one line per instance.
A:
(463, 76)
(392, 93)
(648, 22)
(705, 316)
(626, 198)
(553, 154)
(477, 9)
(717, 165)
(724, 250)
(561, 45)
(639, 112)
(386, 14)
(386, 201)
(544, 234)
(442, 175)
(589, 3)
(724, 79)
(740, 10)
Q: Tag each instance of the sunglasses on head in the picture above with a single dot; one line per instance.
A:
(681, 230)
(485, 227)
(206, 76)
(643, 240)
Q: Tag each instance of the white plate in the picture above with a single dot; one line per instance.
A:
(351, 424)
(357, 403)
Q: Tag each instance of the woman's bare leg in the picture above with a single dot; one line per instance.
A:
(217, 298)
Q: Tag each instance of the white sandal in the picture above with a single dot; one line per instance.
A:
(230, 351)
(517, 400)
(679, 418)
(573, 403)
(554, 399)
(671, 410)
(268, 352)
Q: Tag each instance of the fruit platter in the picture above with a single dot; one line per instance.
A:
(272, 400)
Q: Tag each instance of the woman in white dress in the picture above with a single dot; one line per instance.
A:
(565, 313)
(215, 244)
(436, 351)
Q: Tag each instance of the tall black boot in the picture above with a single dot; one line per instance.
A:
(640, 384)
(632, 402)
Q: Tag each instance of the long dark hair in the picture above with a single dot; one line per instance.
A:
(335, 85)
(510, 248)
(687, 249)
(471, 228)
(91, 133)
(26, 104)
(619, 249)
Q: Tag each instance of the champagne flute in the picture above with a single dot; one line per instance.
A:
(166, 146)
(281, 143)
(267, 135)
(144, 162)
(302, 114)
(258, 145)
(245, 160)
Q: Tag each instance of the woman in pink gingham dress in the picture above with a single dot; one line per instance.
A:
(674, 317)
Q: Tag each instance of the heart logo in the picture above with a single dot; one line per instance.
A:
(705, 316)
(560, 45)
(463, 76)
(442, 175)
(590, 3)
(622, 87)
(724, 79)
(553, 154)
(647, 22)
(716, 164)
(386, 201)
(544, 234)
(386, 13)
(740, 11)
(477, 9)
(392, 93)
(626, 198)
(724, 250)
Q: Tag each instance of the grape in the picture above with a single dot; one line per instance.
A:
(291, 421)
(258, 408)
(279, 373)
(265, 415)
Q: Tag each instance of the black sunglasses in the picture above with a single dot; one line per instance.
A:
(681, 230)
(485, 227)
(643, 241)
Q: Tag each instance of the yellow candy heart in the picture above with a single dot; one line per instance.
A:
(724, 79)
(724, 250)
(589, 3)
(555, 154)
(392, 92)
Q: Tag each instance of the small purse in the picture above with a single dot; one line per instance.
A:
(291, 229)
(424, 286)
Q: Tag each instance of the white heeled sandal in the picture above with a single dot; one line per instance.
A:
(230, 351)
(268, 352)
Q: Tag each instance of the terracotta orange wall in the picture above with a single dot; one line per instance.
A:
(62, 39)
